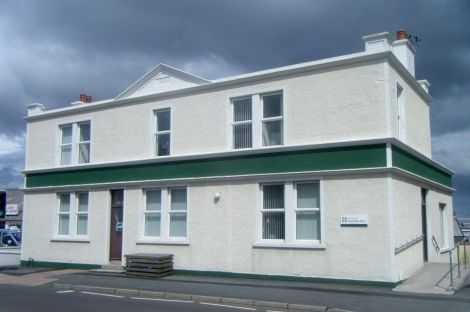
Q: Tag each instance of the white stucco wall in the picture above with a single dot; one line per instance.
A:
(417, 120)
(328, 105)
(40, 226)
(221, 234)
(435, 197)
(407, 225)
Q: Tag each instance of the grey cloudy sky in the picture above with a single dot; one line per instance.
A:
(51, 51)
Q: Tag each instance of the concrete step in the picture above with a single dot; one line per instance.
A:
(112, 267)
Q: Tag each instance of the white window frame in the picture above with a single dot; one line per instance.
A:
(79, 143)
(82, 213)
(298, 210)
(156, 133)
(165, 213)
(152, 212)
(73, 214)
(269, 119)
(75, 144)
(243, 122)
(290, 213)
(263, 211)
(257, 119)
(62, 145)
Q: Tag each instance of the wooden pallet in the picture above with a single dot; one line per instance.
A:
(149, 265)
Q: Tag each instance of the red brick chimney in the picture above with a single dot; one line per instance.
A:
(401, 34)
(85, 98)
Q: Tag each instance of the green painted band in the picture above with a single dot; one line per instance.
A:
(413, 164)
(338, 158)
(59, 265)
(287, 278)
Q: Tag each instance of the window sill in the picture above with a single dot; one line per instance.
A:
(283, 245)
(162, 242)
(70, 240)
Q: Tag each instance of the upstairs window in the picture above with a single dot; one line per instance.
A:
(257, 120)
(163, 132)
(272, 119)
(75, 141)
(66, 145)
(84, 143)
(242, 123)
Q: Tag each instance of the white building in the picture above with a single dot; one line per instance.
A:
(320, 170)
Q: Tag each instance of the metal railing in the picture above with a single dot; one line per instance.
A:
(457, 263)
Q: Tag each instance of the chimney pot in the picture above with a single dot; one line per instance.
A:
(401, 34)
(85, 98)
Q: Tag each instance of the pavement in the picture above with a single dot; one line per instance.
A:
(277, 295)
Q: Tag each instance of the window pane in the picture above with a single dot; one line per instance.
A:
(84, 131)
(273, 225)
(242, 109)
(163, 144)
(63, 224)
(163, 120)
(66, 134)
(308, 195)
(273, 196)
(242, 136)
(82, 202)
(178, 199)
(117, 197)
(152, 224)
(178, 224)
(154, 200)
(66, 155)
(82, 224)
(272, 105)
(64, 203)
(272, 133)
(308, 225)
(84, 153)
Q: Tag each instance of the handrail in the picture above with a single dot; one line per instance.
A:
(451, 265)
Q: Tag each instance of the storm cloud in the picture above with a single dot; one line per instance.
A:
(51, 51)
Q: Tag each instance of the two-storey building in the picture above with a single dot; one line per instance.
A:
(318, 170)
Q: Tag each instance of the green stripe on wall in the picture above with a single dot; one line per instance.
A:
(413, 164)
(338, 158)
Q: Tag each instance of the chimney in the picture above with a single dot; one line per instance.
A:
(35, 109)
(401, 34)
(85, 98)
(378, 42)
(404, 51)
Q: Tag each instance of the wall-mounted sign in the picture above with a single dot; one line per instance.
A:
(354, 220)
(12, 210)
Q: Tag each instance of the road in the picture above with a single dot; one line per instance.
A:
(26, 299)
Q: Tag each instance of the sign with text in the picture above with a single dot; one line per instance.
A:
(354, 220)
(12, 210)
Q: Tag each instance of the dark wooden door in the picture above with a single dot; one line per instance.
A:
(116, 226)
(424, 226)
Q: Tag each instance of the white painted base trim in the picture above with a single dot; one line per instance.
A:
(289, 245)
(162, 242)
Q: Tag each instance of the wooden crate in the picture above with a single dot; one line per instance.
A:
(149, 265)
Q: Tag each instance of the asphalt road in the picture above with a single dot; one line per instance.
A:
(370, 300)
(27, 299)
